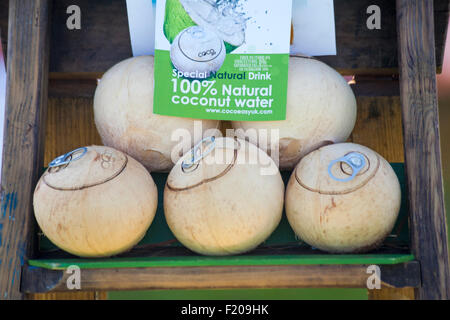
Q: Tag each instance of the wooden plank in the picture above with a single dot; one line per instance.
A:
(83, 85)
(379, 126)
(79, 295)
(375, 86)
(75, 88)
(26, 102)
(37, 280)
(103, 40)
(70, 125)
(104, 37)
(422, 146)
(392, 294)
(364, 51)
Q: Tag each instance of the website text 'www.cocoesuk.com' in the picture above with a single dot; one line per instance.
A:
(237, 111)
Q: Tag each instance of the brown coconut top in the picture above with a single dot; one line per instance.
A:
(214, 165)
(312, 171)
(98, 165)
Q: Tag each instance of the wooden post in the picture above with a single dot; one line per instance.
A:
(26, 102)
(415, 26)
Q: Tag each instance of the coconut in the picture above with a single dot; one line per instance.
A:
(95, 202)
(221, 17)
(343, 198)
(197, 51)
(123, 111)
(321, 109)
(223, 202)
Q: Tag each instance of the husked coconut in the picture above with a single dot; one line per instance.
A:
(321, 109)
(96, 202)
(123, 110)
(343, 198)
(197, 52)
(224, 201)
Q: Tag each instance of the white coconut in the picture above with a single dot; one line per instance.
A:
(197, 52)
(123, 110)
(224, 204)
(321, 109)
(99, 205)
(335, 215)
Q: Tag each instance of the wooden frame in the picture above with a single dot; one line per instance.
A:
(26, 101)
(405, 275)
(422, 145)
(28, 68)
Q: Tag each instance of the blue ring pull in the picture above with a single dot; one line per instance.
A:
(67, 158)
(355, 160)
(196, 156)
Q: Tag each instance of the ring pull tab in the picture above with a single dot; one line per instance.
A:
(355, 160)
(67, 158)
(197, 154)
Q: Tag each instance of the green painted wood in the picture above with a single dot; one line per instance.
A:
(243, 294)
(242, 260)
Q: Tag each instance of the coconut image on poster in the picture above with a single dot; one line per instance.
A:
(201, 32)
(224, 17)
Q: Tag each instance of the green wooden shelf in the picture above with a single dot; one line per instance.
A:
(199, 261)
(159, 261)
(159, 247)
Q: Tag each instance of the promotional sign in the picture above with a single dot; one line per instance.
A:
(224, 59)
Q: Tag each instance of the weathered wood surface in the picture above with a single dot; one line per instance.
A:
(26, 101)
(392, 294)
(77, 295)
(70, 125)
(37, 280)
(379, 127)
(104, 37)
(422, 146)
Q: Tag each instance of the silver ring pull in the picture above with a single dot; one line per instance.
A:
(355, 160)
(197, 154)
(67, 158)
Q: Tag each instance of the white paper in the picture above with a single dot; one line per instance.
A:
(313, 21)
(314, 27)
(141, 21)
